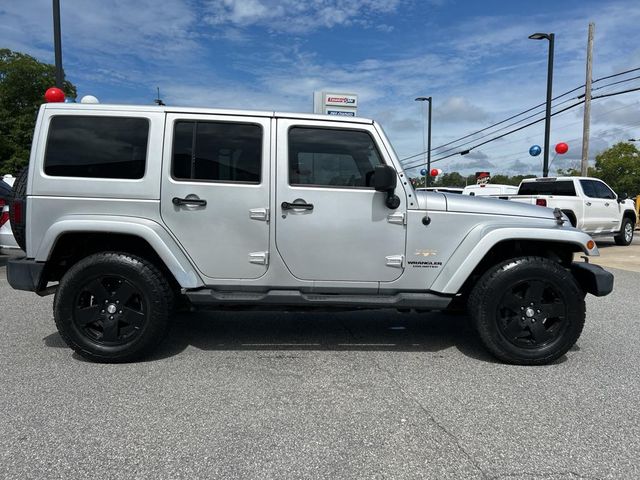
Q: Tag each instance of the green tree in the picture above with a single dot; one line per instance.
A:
(453, 179)
(23, 81)
(574, 172)
(619, 166)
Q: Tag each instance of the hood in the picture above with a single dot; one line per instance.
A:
(474, 204)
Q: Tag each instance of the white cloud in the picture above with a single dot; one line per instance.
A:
(298, 16)
(459, 109)
(257, 54)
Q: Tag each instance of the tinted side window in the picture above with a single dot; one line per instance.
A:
(217, 151)
(331, 157)
(97, 147)
(589, 188)
(603, 191)
(561, 188)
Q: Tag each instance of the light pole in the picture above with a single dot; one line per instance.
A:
(57, 43)
(547, 121)
(428, 166)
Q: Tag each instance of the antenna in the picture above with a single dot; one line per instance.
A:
(158, 100)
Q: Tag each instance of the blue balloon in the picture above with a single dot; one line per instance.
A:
(423, 171)
(535, 150)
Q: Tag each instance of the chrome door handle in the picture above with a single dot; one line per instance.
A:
(588, 204)
(295, 206)
(189, 201)
(606, 204)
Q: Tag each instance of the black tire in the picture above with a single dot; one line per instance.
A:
(528, 310)
(625, 237)
(113, 307)
(19, 201)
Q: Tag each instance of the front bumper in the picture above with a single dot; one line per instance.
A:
(25, 274)
(593, 278)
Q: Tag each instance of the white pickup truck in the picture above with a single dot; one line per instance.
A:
(589, 203)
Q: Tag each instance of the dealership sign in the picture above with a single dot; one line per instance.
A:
(332, 103)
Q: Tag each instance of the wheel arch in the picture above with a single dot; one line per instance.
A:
(70, 239)
(631, 215)
(571, 216)
(479, 252)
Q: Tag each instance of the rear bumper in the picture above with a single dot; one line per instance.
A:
(25, 274)
(593, 278)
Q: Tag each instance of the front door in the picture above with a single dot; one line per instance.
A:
(331, 225)
(215, 192)
(600, 211)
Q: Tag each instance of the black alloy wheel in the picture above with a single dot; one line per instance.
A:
(528, 310)
(110, 310)
(113, 307)
(532, 314)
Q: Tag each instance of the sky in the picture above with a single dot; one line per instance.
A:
(472, 57)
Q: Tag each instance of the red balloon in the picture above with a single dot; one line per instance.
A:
(434, 172)
(53, 95)
(562, 148)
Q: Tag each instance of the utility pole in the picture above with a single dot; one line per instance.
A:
(57, 43)
(586, 123)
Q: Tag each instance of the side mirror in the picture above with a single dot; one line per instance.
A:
(622, 197)
(384, 178)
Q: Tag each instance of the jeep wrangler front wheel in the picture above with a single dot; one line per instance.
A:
(113, 307)
(528, 310)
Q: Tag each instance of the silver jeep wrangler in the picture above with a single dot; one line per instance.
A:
(127, 211)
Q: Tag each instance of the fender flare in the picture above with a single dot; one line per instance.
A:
(152, 232)
(483, 238)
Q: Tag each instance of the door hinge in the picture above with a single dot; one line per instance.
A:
(259, 258)
(259, 214)
(399, 218)
(396, 261)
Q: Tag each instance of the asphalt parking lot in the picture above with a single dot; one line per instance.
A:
(336, 396)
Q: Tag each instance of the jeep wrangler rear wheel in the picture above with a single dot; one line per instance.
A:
(528, 310)
(113, 307)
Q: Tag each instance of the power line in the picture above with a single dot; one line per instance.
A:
(616, 93)
(494, 125)
(597, 118)
(614, 83)
(503, 128)
(464, 152)
(617, 74)
(527, 111)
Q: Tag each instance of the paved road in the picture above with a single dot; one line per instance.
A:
(612, 256)
(333, 396)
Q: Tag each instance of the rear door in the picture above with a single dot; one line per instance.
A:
(215, 191)
(331, 225)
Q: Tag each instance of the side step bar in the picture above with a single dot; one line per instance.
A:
(211, 297)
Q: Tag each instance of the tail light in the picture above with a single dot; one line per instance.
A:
(541, 202)
(4, 216)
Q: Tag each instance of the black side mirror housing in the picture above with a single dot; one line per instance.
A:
(385, 179)
(622, 197)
